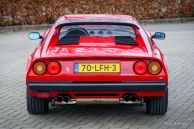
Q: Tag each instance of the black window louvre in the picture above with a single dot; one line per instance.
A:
(126, 40)
(69, 40)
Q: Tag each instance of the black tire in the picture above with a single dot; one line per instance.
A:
(37, 105)
(157, 105)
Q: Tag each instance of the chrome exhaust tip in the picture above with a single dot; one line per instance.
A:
(66, 99)
(133, 98)
(59, 98)
(126, 98)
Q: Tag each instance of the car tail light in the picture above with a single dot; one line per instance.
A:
(53, 67)
(154, 67)
(39, 68)
(140, 67)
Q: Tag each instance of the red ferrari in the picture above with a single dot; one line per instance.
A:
(97, 57)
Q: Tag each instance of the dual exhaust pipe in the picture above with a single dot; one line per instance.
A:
(130, 98)
(63, 99)
(127, 99)
(60, 100)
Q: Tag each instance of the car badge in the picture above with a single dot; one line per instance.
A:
(67, 69)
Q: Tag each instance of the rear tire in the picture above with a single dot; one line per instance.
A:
(157, 105)
(37, 105)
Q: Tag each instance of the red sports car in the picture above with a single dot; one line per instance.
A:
(97, 57)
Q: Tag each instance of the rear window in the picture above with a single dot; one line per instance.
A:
(71, 34)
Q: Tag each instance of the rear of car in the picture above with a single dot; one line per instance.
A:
(96, 58)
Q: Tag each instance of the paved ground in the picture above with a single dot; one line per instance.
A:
(179, 48)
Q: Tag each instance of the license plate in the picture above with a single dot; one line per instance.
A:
(97, 67)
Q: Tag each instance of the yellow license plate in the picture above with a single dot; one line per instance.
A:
(97, 67)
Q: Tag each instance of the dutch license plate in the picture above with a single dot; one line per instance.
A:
(97, 67)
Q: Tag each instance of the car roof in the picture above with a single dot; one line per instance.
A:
(96, 18)
(89, 16)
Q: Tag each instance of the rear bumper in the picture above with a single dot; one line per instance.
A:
(76, 87)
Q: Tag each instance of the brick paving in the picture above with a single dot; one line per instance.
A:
(179, 49)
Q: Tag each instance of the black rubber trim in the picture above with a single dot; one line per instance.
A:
(122, 86)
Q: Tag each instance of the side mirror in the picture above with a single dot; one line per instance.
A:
(34, 36)
(159, 35)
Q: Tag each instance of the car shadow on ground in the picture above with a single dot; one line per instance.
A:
(98, 109)
(102, 114)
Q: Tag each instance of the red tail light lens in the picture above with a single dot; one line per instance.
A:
(54, 67)
(140, 67)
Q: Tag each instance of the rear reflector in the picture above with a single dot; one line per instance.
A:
(42, 95)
